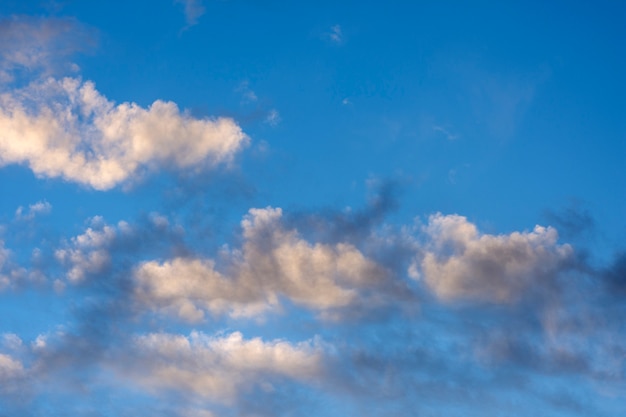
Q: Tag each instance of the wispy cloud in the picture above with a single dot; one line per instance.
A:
(247, 94)
(336, 34)
(41, 46)
(40, 207)
(193, 9)
(446, 133)
(273, 118)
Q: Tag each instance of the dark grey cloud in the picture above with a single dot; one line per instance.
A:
(615, 275)
(573, 221)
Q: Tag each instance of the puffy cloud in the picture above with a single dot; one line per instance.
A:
(88, 253)
(66, 128)
(102, 247)
(219, 367)
(274, 262)
(459, 262)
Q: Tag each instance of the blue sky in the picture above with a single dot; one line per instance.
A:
(265, 208)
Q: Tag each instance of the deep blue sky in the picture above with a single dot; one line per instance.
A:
(266, 208)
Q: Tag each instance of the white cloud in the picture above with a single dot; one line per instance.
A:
(11, 341)
(273, 263)
(88, 253)
(193, 10)
(40, 207)
(66, 128)
(10, 368)
(218, 367)
(459, 262)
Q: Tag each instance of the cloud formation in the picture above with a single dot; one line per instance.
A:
(218, 367)
(66, 128)
(193, 10)
(40, 207)
(10, 369)
(40, 45)
(460, 263)
(274, 262)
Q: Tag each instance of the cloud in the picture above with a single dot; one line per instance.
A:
(572, 221)
(40, 45)
(615, 275)
(446, 133)
(218, 367)
(193, 10)
(10, 369)
(273, 118)
(274, 262)
(101, 245)
(247, 94)
(40, 207)
(4, 256)
(66, 128)
(461, 263)
(336, 34)
(88, 253)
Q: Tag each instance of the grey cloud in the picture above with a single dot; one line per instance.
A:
(460, 263)
(572, 221)
(40, 45)
(615, 275)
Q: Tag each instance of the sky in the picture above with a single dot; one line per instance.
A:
(265, 208)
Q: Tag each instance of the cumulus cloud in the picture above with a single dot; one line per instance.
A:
(459, 262)
(218, 368)
(88, 253)
(66, 128)
(274, 262)
(102, 245)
